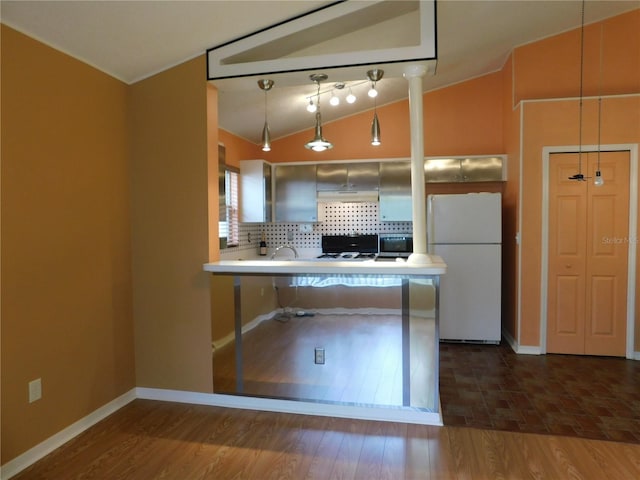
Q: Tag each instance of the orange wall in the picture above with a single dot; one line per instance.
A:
(551, 68)
(552, 124)
(66, 254)
(510, 205)
(239, 149)
(172, 155)
(464, 119)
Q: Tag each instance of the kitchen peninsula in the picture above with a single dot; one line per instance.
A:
(361, 337)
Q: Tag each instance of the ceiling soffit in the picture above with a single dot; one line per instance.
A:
(336, 36)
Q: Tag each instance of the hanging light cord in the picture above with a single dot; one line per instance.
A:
(581, 80)
(600, 96)
(265, 106)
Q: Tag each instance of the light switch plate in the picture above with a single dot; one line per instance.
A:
(319, 356)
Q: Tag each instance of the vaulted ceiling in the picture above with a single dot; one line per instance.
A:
(132, 40)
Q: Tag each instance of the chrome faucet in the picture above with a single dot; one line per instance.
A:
(295, 252)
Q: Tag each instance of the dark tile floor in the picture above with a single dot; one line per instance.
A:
(489, 386)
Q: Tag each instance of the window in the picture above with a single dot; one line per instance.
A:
(230, 228)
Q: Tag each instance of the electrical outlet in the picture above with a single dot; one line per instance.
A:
(35, 390)
(290, 235)
(319, 356)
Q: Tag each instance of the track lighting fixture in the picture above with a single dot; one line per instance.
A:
(265, 85)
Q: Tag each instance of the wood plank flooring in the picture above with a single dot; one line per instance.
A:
(363, 360)
(161, 440)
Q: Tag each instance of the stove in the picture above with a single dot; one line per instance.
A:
(349, 247)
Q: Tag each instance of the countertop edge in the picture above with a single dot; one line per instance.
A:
(310, 267)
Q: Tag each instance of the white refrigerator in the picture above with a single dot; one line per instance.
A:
(466, 231)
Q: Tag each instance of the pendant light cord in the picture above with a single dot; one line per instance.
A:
(600, 94)
(581, 89)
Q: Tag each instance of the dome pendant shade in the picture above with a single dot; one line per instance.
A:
(319, 143)
(375, 130)
(266, 138)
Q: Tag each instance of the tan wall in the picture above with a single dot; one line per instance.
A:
(66, 259)
(170, 169)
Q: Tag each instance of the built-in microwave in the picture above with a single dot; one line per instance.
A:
(395, 245)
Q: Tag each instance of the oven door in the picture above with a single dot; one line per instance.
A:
(392, 246)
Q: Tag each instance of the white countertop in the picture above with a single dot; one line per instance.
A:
(327, 267)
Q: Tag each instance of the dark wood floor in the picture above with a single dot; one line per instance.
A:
(148, 440)
(487, 386)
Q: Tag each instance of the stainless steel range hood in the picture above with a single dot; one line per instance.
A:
(348, 196)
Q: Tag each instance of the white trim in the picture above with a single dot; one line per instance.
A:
(636, 355)
(402, 415)
(519, 231)
(34, 454)
(632, 148)
(520, 349)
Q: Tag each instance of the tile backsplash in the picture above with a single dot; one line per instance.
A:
(334, 219)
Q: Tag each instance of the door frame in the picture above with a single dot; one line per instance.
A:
(632, 148)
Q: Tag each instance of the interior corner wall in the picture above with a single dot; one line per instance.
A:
(510, 205)
(66, 253)
(170, 228)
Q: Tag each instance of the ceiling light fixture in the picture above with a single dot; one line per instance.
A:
(351, 98)
(375, 75)
(265, 85)
(311, 107)
(318, 143)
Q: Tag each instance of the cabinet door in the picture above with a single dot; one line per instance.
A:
(442, 170)
(363, 176)
(331, 177)
(296, 193)
(395, 192)
(255, 181)
(485, 169)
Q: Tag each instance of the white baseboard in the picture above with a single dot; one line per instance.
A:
(521, 349)
(34, 454)
(293, 406)
(636, 355)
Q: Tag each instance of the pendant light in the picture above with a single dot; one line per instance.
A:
(375, 75)
(265, 85)
(318, 143)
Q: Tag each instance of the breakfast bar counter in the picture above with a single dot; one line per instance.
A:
(354, 334)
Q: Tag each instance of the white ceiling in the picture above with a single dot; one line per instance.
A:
(132, 40)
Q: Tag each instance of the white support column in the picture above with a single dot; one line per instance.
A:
(414, 74)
